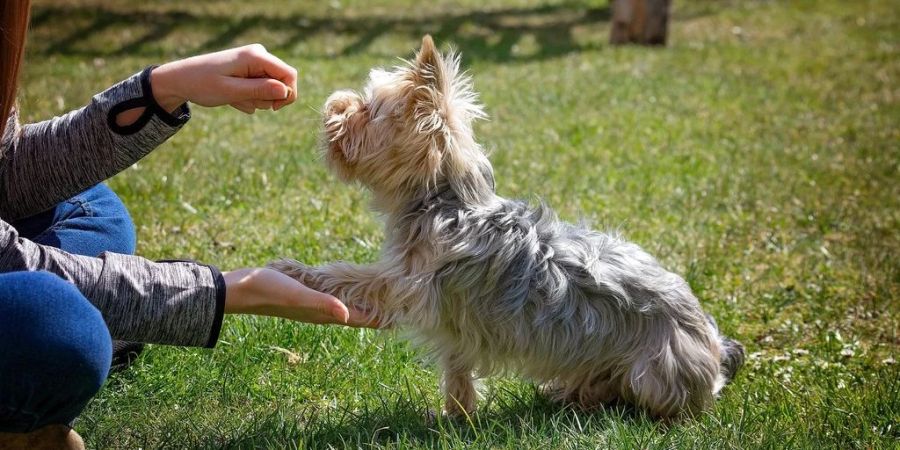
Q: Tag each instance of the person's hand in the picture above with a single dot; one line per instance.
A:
(247, 78)
(271, 293)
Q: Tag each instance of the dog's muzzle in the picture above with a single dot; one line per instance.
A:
(338, 110)
(342, 103)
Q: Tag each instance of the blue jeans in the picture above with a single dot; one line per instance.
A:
(55, 348)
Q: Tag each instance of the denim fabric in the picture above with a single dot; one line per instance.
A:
(89, 223)
(55, 351)
(55, 348)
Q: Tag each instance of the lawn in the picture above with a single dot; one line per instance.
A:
(758, 155)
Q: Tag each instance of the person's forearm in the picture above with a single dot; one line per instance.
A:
(47, 162)
(167, 86)
(179, 303)
(163, 83)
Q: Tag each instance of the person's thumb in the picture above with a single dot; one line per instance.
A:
(257, 89)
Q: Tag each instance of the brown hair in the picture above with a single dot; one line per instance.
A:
(13, 24)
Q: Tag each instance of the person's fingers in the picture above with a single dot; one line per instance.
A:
(291, 98)
(359, 318)
(268, 64)
(255, 62)
(326, 306)
(274, 67)
(242, 89)
(263, 104)
(245, 107)
(339, 311)
(250, 106)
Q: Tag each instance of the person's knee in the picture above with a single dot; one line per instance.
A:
(53, 343)
(118, 226)
(122, 238)
(48, 318)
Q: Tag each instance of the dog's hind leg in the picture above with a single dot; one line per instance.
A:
(674, 383)
(586, 393)
(460, 396)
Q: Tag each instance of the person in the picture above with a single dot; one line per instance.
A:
(69, 283)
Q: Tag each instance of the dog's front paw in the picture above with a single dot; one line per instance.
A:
(462, 407)
(458, 413)
(292, 268)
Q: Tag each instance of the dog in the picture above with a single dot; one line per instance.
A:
(490, 285)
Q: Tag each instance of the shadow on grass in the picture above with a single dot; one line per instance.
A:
(491, 35)
(407, 422)
(521, 422)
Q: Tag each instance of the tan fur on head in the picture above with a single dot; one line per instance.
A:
(410, 130)
(490, 285)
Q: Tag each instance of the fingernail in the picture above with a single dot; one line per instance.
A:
(342, 314)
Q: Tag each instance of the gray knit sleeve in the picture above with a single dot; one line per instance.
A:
(45, 163)
(179, 303)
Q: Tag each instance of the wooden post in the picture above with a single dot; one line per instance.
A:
(640, 22)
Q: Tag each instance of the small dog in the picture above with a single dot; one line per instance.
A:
(491, 285)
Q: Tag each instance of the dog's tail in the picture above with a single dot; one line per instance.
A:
(731, 356)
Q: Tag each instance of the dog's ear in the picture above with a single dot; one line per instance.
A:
(429, 63)
(428, 51)
(442, 106)
(430, 74)
(428, 104)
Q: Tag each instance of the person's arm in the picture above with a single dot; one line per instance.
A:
(178, 302)
(46, 162)
(42, 164)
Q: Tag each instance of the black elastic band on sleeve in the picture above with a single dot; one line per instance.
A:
(151, 108)
(138, 124)
(180, 115)
(220, 307)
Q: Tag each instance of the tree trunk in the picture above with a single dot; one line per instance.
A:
(640, 22)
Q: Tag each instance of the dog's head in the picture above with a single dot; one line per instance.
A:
(410, 132)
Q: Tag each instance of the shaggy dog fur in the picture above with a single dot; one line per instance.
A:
(490, 285)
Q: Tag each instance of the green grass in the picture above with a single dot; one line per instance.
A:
(757, 155)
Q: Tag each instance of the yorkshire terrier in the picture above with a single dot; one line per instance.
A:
(490, 285)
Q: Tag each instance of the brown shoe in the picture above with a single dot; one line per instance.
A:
(51, 437)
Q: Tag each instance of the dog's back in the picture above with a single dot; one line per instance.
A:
(589, 312)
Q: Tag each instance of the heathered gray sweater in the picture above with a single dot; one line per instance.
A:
(45, 163)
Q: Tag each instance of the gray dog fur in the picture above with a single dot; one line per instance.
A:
(490, 285)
